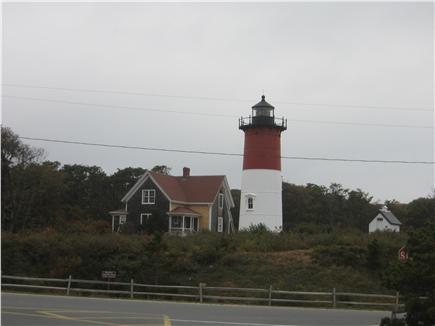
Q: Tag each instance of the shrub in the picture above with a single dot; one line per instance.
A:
(386, 321)
(340, 255)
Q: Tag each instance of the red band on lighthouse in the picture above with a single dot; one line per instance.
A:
(262, 149)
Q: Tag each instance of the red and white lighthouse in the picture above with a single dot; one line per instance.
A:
(261, 197)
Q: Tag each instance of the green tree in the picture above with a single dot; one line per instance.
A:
(415, 278)
(420, 211)
(87, 192)
(334, 206)
(34, 197)
(163, 169)
(121, 182)
(20, 186)
(359, 209)
(14, 152)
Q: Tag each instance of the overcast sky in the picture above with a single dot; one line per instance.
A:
(350, 54)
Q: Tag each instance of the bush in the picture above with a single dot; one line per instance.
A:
(340, 255)
(392, 322)
(245, 259)
(420, 312)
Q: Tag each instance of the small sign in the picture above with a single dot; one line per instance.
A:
(108, 274)
(403, 254)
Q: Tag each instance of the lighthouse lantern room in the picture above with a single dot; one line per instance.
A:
(261, 197)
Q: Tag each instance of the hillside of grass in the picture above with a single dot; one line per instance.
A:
(305, 259)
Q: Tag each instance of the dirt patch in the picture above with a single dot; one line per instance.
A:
(299, 256)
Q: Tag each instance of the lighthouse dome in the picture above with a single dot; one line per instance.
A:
(262, 109)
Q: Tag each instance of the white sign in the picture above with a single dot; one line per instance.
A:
(108, 274)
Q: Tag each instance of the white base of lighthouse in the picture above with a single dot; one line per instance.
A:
(265, 189)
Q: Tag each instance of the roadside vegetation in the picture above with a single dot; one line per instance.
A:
(346, 259)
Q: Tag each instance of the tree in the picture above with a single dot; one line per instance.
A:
(334, 206)
(359, 209)
(415, 278)
(420, 211)
(121, 182)
(34, 197)
(87, 192)
(20, 171)
(14, 152)
(162, 169)
(400, 210)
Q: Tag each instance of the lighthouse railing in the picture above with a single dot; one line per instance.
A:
(262, 120)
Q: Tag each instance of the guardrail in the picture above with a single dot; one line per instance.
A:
(203, 293)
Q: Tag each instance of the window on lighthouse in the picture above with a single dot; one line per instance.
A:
(262, 112)
(250, 203)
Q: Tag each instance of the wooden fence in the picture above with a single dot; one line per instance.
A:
(203, 293)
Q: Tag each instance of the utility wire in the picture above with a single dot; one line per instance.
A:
(216, 114)
(223, 153)
(132, 108)
(347, 106)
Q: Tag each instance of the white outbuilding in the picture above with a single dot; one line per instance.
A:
(385, 221)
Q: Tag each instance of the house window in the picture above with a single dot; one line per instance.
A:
(187, 222)
(250, 202)
(221, 200)
(220, 226)
(195, 224)
(144, 217)
(380, 219)
(183, 224)
(122, 219)
(148, 196)
(176, 222)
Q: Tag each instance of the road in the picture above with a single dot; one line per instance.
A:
(46, 310)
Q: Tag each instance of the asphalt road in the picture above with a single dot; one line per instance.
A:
(47, 310)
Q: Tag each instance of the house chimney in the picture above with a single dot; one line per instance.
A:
(186, 172)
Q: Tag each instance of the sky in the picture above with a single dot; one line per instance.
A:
(178, 76)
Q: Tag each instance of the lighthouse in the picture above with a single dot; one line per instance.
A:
(261, 193)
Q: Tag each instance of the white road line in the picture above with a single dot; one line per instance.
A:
(235, 323)
(227, 322)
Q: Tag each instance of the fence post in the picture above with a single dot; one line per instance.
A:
(131, 288)
(69, 285)
(397, 300)
(334, 298)
(270, 295)
(201, 288)
(396, 306)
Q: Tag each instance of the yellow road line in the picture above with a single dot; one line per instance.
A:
(78, 311)
(57, 309)
(106, 312)
(120, 317)
(140, 325)
(166, 321)
(61, 317)
(90, 319)
(23, 314)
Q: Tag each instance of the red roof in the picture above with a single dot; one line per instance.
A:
(183, 210)
(193, 189)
